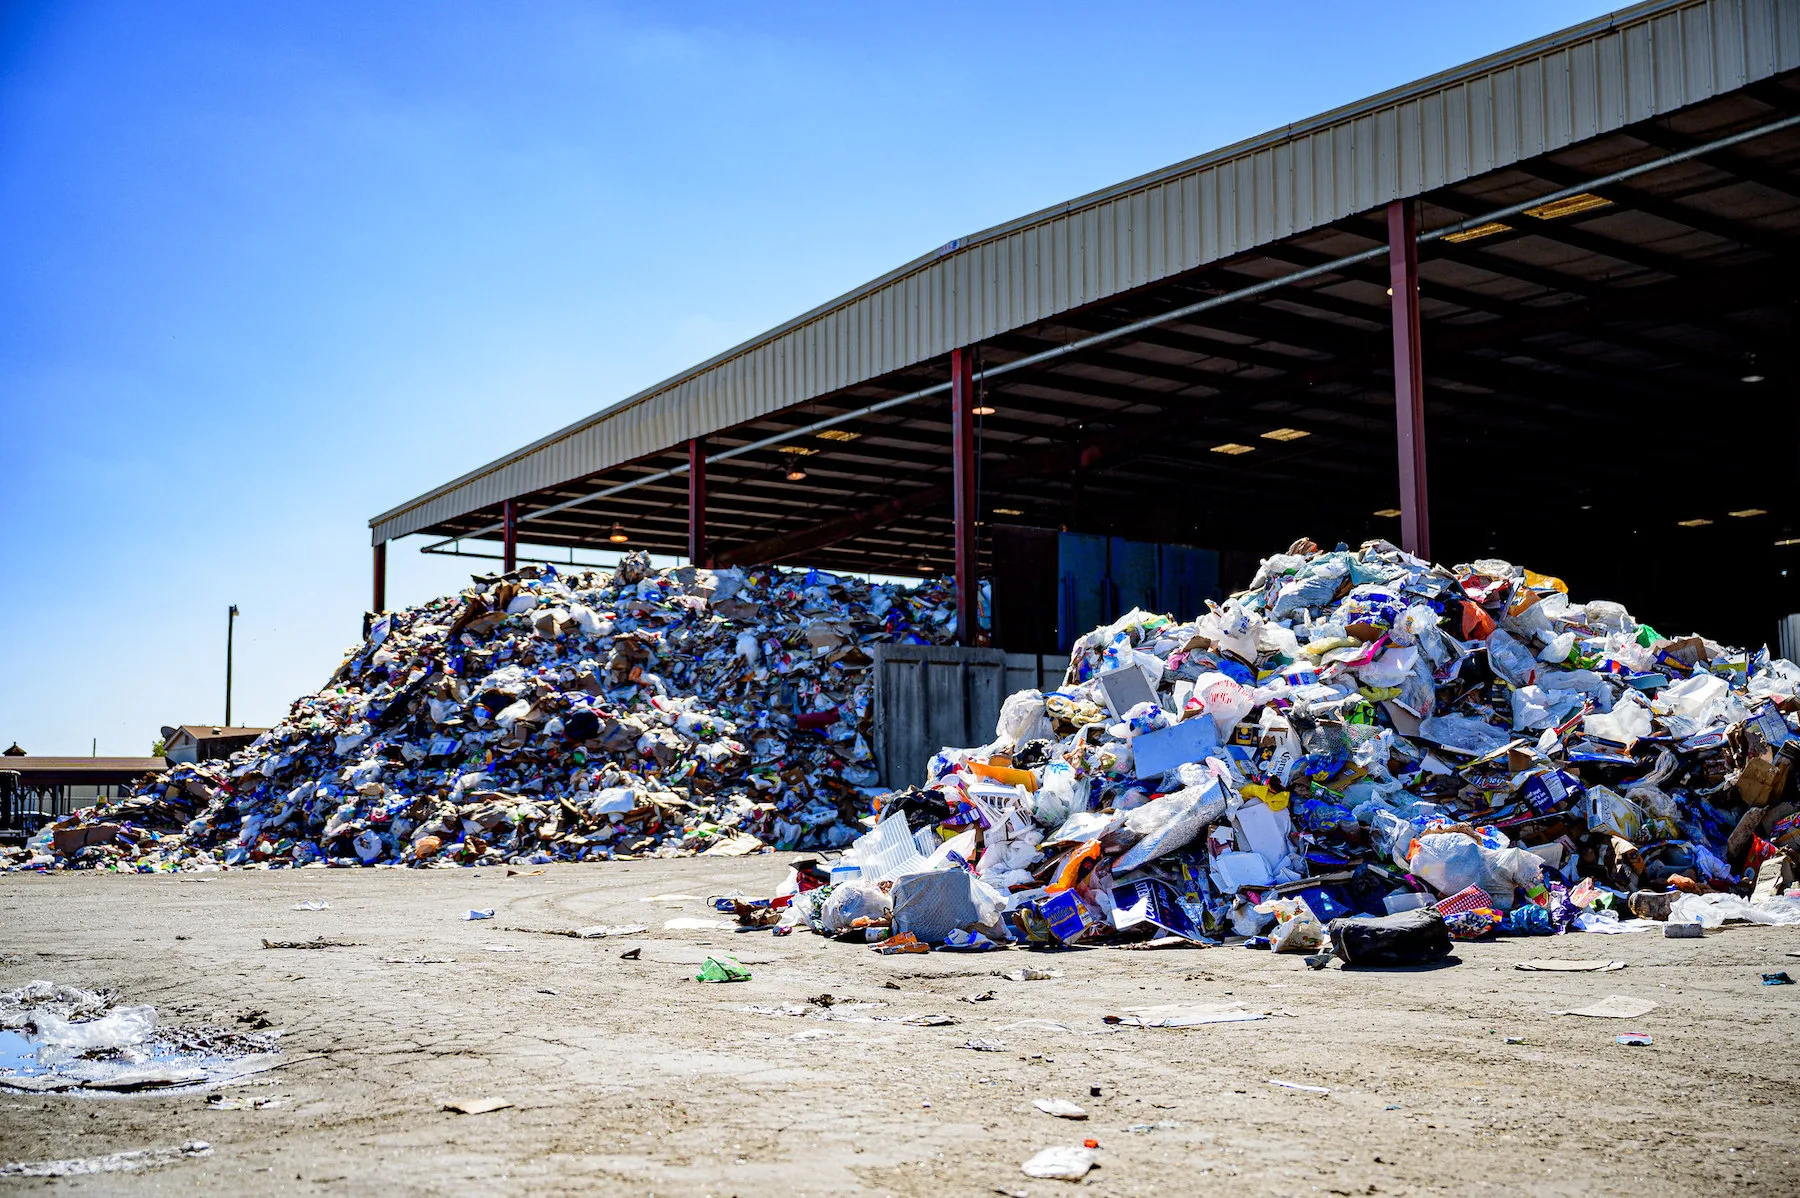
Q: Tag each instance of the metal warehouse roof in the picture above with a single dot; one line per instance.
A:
(1009, 288)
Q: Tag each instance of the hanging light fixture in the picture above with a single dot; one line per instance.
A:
(795, 471)
(617, 536)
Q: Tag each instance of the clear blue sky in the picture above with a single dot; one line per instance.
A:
(267, 270)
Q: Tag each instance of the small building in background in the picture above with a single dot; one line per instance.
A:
(205, 742)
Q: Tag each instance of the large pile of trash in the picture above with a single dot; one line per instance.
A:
(1363, 748)
(539, 716)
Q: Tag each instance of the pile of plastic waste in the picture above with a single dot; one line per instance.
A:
(1360, 737)
(539, 716)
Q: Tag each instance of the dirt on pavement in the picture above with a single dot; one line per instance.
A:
(628, 1077)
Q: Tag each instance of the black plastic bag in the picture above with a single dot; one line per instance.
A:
(1409, 938)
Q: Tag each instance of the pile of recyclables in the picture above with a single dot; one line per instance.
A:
(539, 716)
(1361, 735)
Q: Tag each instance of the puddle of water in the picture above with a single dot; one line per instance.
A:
(18, 1055)
(163, 1070)
(171, 1059)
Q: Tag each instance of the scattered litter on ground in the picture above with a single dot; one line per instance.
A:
(1062, 1108)
(1556, 965)
(477, 1106)
(312, 905)
(1287, 1085)
(220, 1102)
(1777, 979)
(487, 914)
(592, 932)
(688, 923)
(116, 1162)
(315, 942)
(1614, 1006)
(1062, 1163)
(1633, 1039)
(1175, 1016)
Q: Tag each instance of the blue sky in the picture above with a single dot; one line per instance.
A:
(269, 270)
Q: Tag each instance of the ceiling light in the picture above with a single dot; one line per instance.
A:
(1008, 511)
(1479, 231)
(1752, 378)
(1388, 513)
(617, 535)
(1233, 448)
(1788, 541)
(794, 472)
(1747, 512)
(1285, 434)
(983, 409)
(838, 434)
(1699, 523)
(798, 451)
(1568, 206)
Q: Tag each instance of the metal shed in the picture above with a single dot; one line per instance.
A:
(1565, 268)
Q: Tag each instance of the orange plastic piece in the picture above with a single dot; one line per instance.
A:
(1079, 865)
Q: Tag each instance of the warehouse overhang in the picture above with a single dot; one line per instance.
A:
(1209, 355)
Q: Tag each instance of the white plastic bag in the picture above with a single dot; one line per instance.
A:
(1022, 719)
(1297, 929)
(1224, 700)
(1712, 910)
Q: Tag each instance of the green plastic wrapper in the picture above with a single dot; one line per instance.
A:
(722, 969)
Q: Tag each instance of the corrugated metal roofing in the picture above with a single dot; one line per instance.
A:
(1636, 64)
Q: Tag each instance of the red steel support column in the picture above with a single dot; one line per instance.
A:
(962, 446)
(1409, 377)
(380, 578)
(697, 554)
(509, 536)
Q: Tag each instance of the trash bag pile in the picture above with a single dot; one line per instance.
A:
(539, 717)
(1363, 748)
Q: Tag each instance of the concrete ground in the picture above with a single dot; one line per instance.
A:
(627, 1077)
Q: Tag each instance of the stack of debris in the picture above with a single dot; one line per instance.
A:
(539, 717)
(1360, 735)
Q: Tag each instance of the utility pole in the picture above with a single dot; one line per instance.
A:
(230, 627)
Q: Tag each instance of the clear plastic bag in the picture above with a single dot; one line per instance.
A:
(1509, 659)
(1449, 862)
(1170, 823)
(1059, 795)
(852, 901)
(121, 1027)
